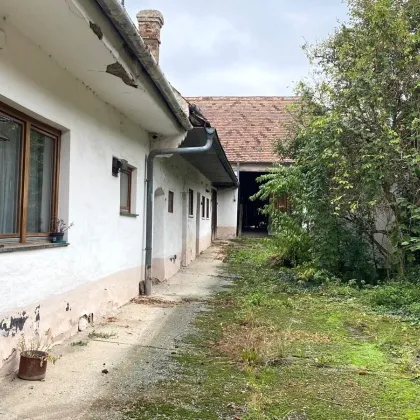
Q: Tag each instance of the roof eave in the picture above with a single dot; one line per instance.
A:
(199, 120)
(114, 10)
(202, 162)
(224, 160)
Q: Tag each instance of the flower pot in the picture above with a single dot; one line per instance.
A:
(57, 237)
(33, 365)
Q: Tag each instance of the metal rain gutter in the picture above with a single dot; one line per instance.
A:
(220, 151)
(126, 28)
(147, 289)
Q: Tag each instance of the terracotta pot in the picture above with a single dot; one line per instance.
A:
(33, 365)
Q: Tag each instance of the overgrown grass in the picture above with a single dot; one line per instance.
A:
(282, 345)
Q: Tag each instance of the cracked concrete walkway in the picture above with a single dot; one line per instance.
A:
(144, 335)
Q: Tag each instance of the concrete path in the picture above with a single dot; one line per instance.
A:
(143, 337)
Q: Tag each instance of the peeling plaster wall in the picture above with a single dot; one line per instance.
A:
(227, 210)
(81, 39)
(61, 312)
(176, 175)
(102, 243)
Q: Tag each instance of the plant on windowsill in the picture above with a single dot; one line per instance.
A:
(34, 356)
(58, 229)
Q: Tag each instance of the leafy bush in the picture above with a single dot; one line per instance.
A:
(399, 298)
(292, 244)
(256, 299)
(355, 180)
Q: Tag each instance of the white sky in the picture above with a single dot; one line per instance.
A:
(239, 47)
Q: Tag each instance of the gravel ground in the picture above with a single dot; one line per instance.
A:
(145, 365)
(143, 337)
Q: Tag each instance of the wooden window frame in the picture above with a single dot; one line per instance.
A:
(190, 202)
(28, 123)
(129, 172)
(207, 208)
(170, 202)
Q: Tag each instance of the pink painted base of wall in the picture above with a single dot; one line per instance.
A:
(165, 268)
(205, 242)
(158, 268)
(61, 313)
(226, 232)
(172, 267)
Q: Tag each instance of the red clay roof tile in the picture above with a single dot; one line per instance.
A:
(248, 126)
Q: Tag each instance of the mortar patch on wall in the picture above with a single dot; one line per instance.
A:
(84, 321)
(37, 315)
(96, 29)
(14, 325)
(116, 69)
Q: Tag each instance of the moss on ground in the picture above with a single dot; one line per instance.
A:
(274, 348)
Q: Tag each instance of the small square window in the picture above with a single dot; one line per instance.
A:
(125, 190)
(190, 202)
(171, 202)
(207, 208)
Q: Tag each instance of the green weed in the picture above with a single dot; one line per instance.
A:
(94, 334)
(79, 343)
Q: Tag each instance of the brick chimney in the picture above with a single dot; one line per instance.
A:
(150, 23)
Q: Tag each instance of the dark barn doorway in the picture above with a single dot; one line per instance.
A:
(250, 217)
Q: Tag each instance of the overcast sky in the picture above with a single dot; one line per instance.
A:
(239, 47)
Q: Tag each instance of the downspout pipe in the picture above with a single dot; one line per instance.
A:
(149, 198)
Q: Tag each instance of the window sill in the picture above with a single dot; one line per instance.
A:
(122, 213)
(4, 248)
(191, 216)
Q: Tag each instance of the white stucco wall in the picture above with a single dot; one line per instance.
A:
(227, 213)
(95, 133)
(101, 268)
(176, 175)
(103, 244)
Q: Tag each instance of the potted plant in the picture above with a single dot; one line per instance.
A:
(58, 228)
(34, 357)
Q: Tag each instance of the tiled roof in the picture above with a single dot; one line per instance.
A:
(248, 126)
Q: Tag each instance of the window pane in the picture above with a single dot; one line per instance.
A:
(171, 202)
(10, 146)
(124, 190)
(191, 202)
(41, 164)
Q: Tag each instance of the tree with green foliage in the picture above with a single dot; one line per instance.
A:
(355, 141)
